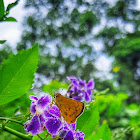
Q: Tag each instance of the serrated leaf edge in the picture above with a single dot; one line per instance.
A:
(21, 52)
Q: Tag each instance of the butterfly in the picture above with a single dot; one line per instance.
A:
(69, 108)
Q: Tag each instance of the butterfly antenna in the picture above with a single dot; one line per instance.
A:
(70, 86)
(53, 92)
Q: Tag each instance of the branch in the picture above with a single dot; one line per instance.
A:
(12, 120)
(16, 133)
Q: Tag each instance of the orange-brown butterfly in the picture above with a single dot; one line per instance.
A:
(69, 108)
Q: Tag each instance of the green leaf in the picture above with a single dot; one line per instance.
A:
(2, 41)
(1, 9)
(10, 19)
(114, 107)
(17, 74)
(114, 104)
(122, 96)
(103, 133)
(42, 135)
(89, 120)
(101, 102)
(54, 85)
(11, 6)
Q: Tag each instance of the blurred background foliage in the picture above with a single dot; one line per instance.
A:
(68, 32)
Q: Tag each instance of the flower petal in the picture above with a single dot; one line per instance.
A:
(33, 98)
(87, 97)
(53, 125)
(71, 78)
(33, 126)
(55, 111)
(79, 135)
(74, 126)
(33, 108)
(62, 133)
(69, 136)
(47, 114)
(42, 119)
(78, 98)
(90, 84)
(89, 92)
(82, 83)
(43, 101)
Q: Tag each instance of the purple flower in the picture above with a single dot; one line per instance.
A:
(48, 117)
(53, 125)
(33, 126)
(68, 133)
(90, 84)
(79, 135)
(43, 101)
(52, 111)
(80, 90)
(38, 104)
(63, 133)
(69, 136)
(33, 107)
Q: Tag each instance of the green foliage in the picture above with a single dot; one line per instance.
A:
(43, 135)
(122, 96)
(89, 120)
(18, 105)
(123, 46)
(66, 35)
(2, 9)
(3, 13)
(10, 19)
(4, 54)
(88, 20)
(126, 52)
(17, 74)
(10, 6)
(114, 109)
(108, 33)
(103, 133)
(2, 41)
(111, 102)
(54, 85)
(72, 30)
(119, 10)
(69, 35)
(126, 46)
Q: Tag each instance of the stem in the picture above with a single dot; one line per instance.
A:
(12, 120)
(39, 137)
(16, 133)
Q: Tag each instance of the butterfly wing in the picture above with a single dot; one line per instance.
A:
(79, 108)
(69, 108)
(68, 112)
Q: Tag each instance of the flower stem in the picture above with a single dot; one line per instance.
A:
(12, 120)
(16, 133)
(39, 137)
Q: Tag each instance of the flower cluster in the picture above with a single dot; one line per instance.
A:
(80, 90)
(46, 116)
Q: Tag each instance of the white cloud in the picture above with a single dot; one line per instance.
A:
(103, 63)
(11, 31)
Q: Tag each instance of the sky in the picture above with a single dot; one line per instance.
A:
(11, 31)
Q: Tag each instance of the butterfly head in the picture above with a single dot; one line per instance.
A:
(57, 95)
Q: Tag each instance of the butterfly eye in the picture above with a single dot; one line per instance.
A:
(55, 95)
